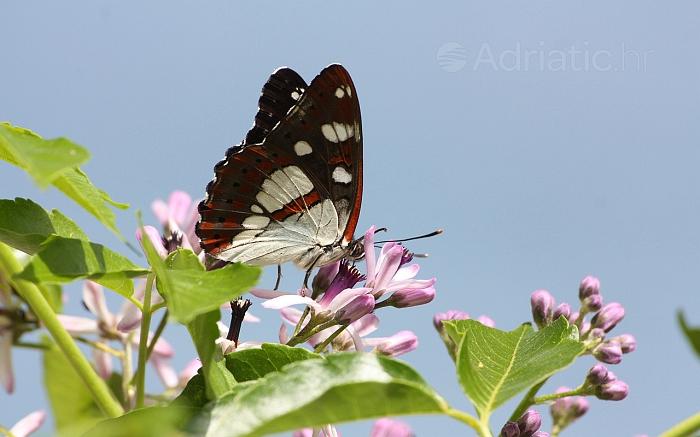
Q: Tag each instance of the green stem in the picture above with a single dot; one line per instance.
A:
(9, 266)
(310, 331)
(31, 345)
(97, 345)
(481, 428)
(579, 391)
(156, 335)
(321, 347)
(684, 428)
(527, 401)
(143, 342)
(127, 370)
(297, 328)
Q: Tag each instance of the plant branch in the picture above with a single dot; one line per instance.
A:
(101, 346)
(31, 294)
(143, 342)
(579, 391)
(481, 428)
(526, 401)
(684, 428)
(156, 335)
(322, 346)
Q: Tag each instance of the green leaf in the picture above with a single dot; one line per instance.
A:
(71, 402)
(57, 162)
(343, 387)
(76, 185)
(194, 395)
(61, 260)
(251, 364)
(692, 334)
(192, 291)
(24, 224)
(44, 160)
(204, 332)
(66, 227)
(493, 365)
(146, 422)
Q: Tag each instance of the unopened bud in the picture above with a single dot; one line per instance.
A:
(590, 285)
(412, 297)
(599, 375)
(608, 352)
(510, 429)
(355, 309)
(529, 423)
(486, 321)
(542, 304)
(448, 315)
(612, 391)
(627, 342)
(592, 303)
(562, 310)
(609, 316)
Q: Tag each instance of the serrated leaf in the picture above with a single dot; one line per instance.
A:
(44, 160)
(71, 402)
(692, 334)
(251, 364)
(66, 227)
(192, 291)
(61, 260)
(343, 387)
(494, 365)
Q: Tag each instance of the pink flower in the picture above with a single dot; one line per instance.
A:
(390, 428)
(28, 424)
(389, 273)
(109, 326)
(398, 344)
(179, 214)
(340, 301)
(324, 431)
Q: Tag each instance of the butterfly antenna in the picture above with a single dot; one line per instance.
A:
(428, 235)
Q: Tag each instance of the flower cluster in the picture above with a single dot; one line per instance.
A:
(605, 385)
(566, 410)
(594, 332)
(339, 315)
(528, 425)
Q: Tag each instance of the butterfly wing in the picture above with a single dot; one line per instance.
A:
(292, 191)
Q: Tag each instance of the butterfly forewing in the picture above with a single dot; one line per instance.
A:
(295, 195)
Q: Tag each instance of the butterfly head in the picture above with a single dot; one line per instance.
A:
(355, 250)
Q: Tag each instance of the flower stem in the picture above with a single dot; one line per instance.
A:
(579, 391)
(101, 346)
(527, 401)
(310, 331)
(322, 346)
(684, 428)
(478, 426)
(31, 345)
(9, 266)
(127, 370)
(156, 335)
(143, 342)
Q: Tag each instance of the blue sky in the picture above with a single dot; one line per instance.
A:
(550, 140)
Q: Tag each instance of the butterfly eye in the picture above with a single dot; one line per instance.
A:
(356, 250)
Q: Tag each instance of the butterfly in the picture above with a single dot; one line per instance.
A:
(292, 190)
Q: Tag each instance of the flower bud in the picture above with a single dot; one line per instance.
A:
(596, 334)
(510, 429)
(590, 285)
(449, 315)
(627, 343)
(389, 427)
(542, 304)
(609, 316)
(398, 344)
(573, 317)
(592, 303)
(608, 352)
(355, 309)
(599, 375)
(563, 310)
(540, 434)
(566, 410)
(412, 297)
(612, 391)
(486, 321)
(529, 422)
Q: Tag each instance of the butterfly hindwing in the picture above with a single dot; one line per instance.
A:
(296, 195)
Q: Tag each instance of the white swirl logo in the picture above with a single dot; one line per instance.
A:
(452, 57)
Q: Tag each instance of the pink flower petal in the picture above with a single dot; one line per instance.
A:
(28, 424)
(288, 300)
(407, 272)
(78, 325)
(103, 363)
(179, 204)
(390, 428)
(223, 329)
(282, 334)
(162, 349)
(189, 371)
(412, 284)
(266, 294)
(370, 260)
(366, 325)
(161, 211)
(165, 371)
(250, 318)
(7, 378)
(345, 297)
(387, 268)
(94, 298)
(155, 237)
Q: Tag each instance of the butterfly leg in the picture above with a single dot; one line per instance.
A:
(279, 277)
